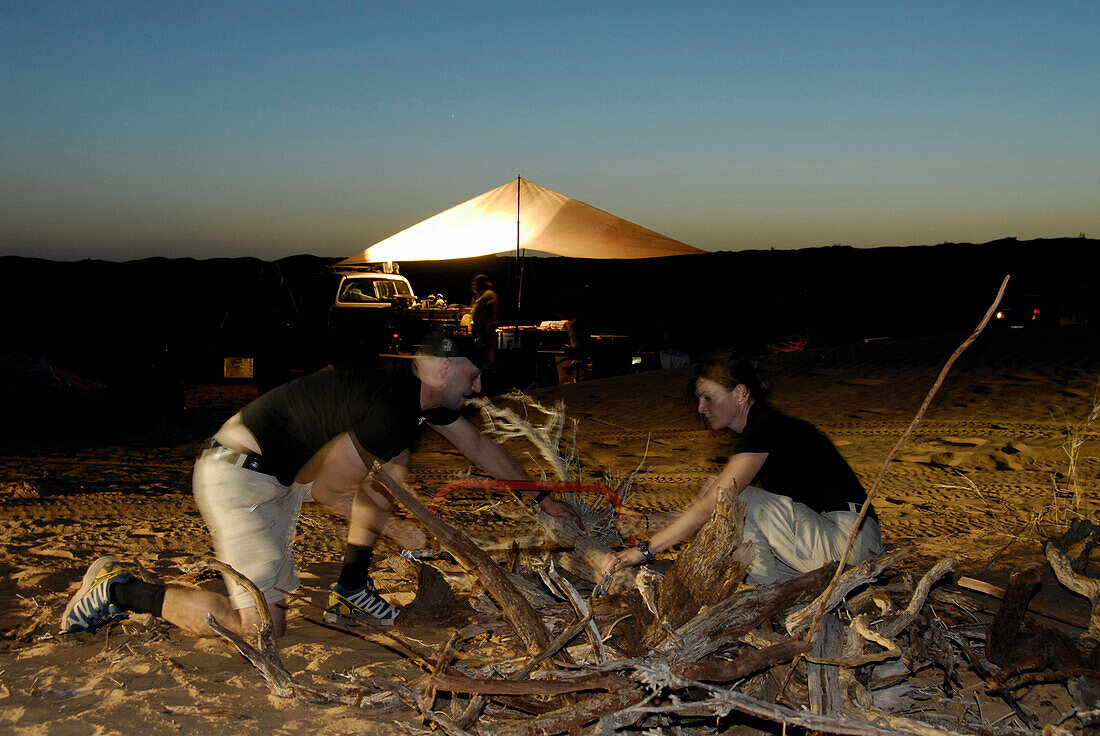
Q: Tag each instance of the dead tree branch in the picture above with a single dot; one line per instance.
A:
(722, 702)
(1034, 678)
(1078, 583)
(581, 608)
(897, 448)
(839, 587)
(560, 641)
(920, 596)
(1036, 607)
(1077, 542)
(715, 626)
(710, 569)
(749, 662)
(265, 655)
(558, 686)
(390, 639)
(863, 632)
(518, 612)
(573, 717)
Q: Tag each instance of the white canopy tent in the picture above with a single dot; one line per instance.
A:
(521, 216)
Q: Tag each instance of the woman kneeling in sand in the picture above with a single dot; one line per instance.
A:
(800, 495)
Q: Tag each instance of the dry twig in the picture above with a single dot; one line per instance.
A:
(897, 448)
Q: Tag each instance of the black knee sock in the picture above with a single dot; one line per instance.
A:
(356, 568)
(138, 596)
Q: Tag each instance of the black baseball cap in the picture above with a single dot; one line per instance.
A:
(440, 344)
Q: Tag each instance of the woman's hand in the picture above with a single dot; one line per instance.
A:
(615, 561)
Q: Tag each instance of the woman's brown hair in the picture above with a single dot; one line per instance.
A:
(729, 370)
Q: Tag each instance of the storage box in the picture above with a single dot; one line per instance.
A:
(237, 368)
(507, 338)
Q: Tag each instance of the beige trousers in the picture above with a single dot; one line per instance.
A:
(790, 538)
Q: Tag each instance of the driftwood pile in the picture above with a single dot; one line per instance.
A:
(692, 651)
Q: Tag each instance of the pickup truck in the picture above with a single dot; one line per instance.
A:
(376, 312)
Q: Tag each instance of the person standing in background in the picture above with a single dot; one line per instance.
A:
(486, 309)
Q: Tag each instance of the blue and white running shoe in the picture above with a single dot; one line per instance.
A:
(91, 607)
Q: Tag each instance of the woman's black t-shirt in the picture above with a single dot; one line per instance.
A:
(802, 463)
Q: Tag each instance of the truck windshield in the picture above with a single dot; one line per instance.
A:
(367, 290)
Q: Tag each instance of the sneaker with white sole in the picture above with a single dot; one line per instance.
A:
(91, 607)
(359, 606)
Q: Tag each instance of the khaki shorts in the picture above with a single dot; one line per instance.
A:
(252, 518)
(790, 538)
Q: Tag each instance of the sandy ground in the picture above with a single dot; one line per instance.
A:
(984, 478)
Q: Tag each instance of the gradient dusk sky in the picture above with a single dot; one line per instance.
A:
(134, 129)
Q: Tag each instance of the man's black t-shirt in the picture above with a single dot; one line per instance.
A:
(379, 405)
(802, 463)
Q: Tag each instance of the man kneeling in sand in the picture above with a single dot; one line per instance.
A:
(315, 437)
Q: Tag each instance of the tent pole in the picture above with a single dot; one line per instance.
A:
(519, 255)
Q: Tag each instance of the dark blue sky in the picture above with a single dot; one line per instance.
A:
(132, 129)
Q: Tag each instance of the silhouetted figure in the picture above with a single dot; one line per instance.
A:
(486, 310)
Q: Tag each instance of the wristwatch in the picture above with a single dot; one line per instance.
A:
(643, 547)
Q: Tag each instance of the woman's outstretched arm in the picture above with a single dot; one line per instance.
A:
(738, 473)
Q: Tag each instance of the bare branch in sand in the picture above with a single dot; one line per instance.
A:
(901, 443)
(517, 610)
(1078, 583)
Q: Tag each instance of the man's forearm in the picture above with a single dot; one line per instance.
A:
(497, 462)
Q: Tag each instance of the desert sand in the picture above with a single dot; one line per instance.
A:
(985, 477)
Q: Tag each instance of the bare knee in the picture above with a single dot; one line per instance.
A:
(247, 620)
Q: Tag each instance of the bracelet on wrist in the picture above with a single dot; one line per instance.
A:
(541, 496)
